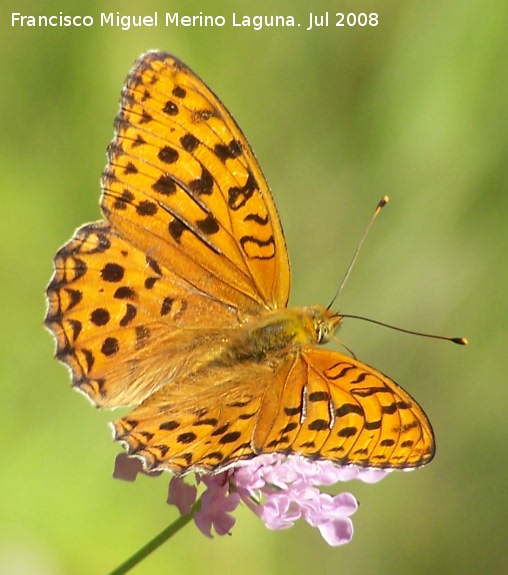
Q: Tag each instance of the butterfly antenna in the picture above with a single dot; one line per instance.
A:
(457, 340)
(382, 202)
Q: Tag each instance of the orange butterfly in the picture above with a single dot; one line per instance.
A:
(175, 303)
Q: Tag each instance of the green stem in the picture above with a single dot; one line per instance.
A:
(157, 541)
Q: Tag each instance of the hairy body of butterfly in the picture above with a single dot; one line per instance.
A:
(176, 304)
(277, 333)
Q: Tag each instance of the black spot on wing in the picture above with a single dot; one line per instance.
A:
(125, 292)
(76, 327)
(112, 272)
(176, 229)
(75, 296)
(189, 143)
(146, 208)
(168, 155)
(347, 408)
(146, 118)
(166, 306)
(154, 265)
(99, 317)
(258, 249)
(232, 150)
(208, 225)
(130, 168)
(179, 92)
(319, 396)
(187, 437)
(347, 432)
(165, 185)
(238, 196)
(170, 108)
(110, 346)
(202, 185)
(129, 315)
(257, 219)
(169, 425)
(124, 200)
(318, 425)
(230, 437)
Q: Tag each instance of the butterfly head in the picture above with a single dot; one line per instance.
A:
(325, 322)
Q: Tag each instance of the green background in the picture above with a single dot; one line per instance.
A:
(415, 108)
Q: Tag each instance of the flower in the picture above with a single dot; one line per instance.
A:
(279, 489)
(217, 502)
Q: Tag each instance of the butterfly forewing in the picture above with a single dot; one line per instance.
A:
(183, 185)
(124, 325)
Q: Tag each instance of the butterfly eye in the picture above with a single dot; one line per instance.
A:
(323, 332)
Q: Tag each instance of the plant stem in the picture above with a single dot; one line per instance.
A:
(157, 541)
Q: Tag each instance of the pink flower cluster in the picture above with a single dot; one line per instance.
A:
(279, 489)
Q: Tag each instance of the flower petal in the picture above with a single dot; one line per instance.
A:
(337, 532)
(181, 494)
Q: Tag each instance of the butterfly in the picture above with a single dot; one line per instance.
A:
(175, 304)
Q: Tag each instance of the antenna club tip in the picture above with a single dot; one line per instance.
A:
(459, 340)
(383, 201)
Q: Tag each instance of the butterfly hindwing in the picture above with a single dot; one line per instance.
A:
(372, 422)
(203, 422)
(318, 403)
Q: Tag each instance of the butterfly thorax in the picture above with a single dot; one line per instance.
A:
(279, 331)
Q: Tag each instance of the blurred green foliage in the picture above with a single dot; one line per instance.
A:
(414, 108)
